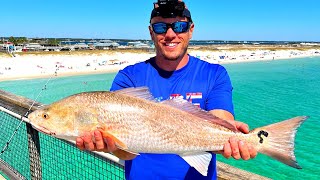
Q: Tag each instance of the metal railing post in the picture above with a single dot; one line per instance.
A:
(34, 153)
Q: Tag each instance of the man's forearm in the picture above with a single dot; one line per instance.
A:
(222, 114)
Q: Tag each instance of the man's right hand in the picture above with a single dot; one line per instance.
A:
(96, 142)
(99, 143)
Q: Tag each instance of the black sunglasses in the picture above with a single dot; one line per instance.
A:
(177, 27)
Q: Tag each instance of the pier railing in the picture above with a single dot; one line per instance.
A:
(28, 154)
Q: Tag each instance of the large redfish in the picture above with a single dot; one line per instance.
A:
(140, 124)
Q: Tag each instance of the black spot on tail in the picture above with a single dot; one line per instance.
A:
(264, 133)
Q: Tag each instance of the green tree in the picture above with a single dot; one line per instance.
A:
(18, 40)
(53, 42)
(21, 40)
(12, 39)
(33, 41)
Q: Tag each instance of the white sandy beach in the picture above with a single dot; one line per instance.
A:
(42, 65)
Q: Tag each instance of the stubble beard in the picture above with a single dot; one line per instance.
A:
(169, 57)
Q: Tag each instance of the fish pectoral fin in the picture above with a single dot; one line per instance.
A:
(106, 134)
(200, 161)
(123, 152)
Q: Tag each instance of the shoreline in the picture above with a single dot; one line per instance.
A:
(34, 66)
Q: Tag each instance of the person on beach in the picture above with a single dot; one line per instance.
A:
(173, 73)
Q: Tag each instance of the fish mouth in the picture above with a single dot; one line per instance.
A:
(43, 130)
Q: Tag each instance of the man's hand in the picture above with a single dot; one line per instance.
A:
(96, 142)
(237, 148)
(99, 143)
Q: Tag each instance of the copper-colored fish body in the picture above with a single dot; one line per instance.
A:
(139, 124)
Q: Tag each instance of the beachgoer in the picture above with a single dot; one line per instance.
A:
(11, 48)
(172, 73)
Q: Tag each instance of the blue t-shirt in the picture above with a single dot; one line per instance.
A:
(205, 85)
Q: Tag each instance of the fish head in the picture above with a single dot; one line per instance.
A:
(54, 119)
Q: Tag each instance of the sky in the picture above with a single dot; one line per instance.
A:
(238, 20)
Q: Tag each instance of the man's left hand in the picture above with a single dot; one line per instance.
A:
(239, 149)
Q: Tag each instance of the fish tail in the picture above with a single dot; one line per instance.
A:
(277, 140)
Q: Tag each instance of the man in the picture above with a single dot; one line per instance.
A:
(172, 73)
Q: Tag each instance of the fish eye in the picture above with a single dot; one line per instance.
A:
(45, 115)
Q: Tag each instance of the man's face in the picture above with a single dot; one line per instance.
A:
(171, 45)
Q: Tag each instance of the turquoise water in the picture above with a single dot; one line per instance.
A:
(264, 93)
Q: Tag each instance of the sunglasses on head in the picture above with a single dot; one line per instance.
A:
(177, 27)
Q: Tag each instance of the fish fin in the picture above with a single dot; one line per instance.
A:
(105, 134)
(123, 152)
(140, 92)
(277, 140)
(200, 161)
(196, 111)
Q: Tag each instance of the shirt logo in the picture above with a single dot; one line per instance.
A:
(176, 96)
(189, 97)
(193, 96)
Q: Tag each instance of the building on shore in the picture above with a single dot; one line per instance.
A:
(105, 44)
(138, 44)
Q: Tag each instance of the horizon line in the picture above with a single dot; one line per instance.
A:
(7, 37)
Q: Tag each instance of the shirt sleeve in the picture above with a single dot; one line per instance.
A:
(122, 80)
(220, 95)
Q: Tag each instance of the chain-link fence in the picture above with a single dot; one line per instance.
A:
(32, 155)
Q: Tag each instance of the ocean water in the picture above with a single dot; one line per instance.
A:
(264, 93)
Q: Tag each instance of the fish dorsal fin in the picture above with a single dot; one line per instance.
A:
(140, 92)
(184, 105)
(200, 161)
